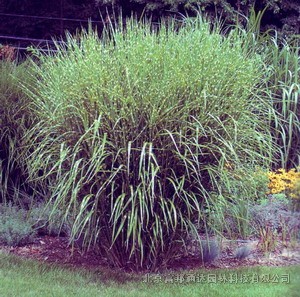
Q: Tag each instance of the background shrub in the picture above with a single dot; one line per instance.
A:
(283, 15)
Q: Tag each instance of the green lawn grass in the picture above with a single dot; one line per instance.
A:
(19, 277)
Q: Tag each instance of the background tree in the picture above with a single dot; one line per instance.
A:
(283, 15)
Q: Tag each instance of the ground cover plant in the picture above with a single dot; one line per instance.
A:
(14, 228)
(19, 226)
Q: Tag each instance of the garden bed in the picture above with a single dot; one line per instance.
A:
(56, 250)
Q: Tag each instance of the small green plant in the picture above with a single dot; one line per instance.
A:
(47, 220)
(15, 229)
(209, 250)
(280, 197)
(229, 219)
(268, 238)
(242, 252)
(244, 182)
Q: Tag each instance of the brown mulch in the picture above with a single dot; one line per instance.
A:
(56, 250)
(281, 256)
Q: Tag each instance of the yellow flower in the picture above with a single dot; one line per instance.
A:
(284, 181)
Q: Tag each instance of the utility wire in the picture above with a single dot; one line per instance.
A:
(28, 39)
(40, 49)
(47, 18)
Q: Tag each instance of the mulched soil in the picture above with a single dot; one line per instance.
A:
(56, 250)
(281, 256)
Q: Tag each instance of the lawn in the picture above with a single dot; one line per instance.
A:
(20, 277)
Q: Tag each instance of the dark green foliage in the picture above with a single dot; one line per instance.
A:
(282, 15)
(15, 119)
(283, 89)
(44, 28)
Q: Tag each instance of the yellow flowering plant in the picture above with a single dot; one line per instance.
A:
(282, 181)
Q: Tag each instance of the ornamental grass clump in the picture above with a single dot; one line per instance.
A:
(282, 73)
(281, 63)
(135, 128)
(15, 121)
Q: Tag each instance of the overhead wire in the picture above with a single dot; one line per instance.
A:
(38, 40)
(48, 18)
(29, 39)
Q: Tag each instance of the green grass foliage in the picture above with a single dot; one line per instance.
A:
(15, 121)
(283, 90)
(134, 129)
(27, 278)
(281, 62)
